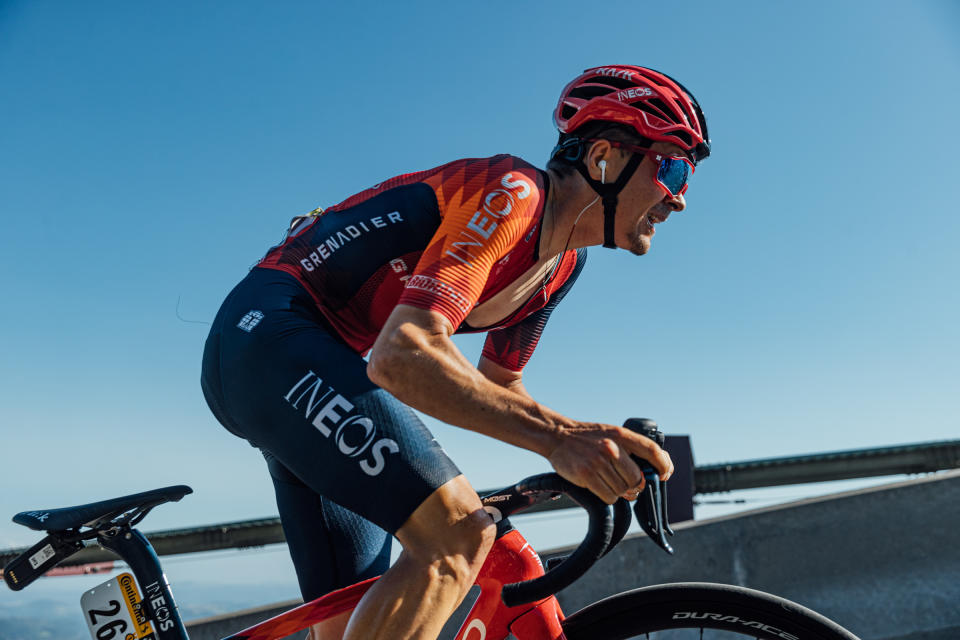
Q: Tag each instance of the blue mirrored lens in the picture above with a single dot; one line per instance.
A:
(673, 174)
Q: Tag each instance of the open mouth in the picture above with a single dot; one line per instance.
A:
(656, 217)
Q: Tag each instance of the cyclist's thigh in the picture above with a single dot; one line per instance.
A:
(296, 391)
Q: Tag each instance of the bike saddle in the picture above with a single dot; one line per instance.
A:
(97, 512)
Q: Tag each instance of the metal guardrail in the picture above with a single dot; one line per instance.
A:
(231, 535)
(715, 478)
(826, 467)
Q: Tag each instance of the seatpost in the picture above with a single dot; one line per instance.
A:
(136, 550)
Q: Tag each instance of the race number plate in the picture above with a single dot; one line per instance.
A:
(115, 611)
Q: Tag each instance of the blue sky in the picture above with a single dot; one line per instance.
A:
(149, 155)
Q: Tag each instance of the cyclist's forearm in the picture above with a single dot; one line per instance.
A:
(423, 368)
(512, 380)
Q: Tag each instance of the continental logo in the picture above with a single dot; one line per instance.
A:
(135, 606)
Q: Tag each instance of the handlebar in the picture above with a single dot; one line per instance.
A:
(606, 526)
(597, 540)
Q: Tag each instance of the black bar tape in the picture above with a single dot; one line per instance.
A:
(596, 542)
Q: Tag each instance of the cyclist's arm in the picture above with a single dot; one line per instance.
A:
(415, 360)
(507, 378)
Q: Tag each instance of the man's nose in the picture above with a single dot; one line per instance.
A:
(676, 203)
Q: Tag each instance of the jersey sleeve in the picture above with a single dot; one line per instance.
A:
(511, 347)
(486, 208)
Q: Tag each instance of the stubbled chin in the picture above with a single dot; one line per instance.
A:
(640, 245)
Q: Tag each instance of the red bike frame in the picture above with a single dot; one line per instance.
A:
(511, 559)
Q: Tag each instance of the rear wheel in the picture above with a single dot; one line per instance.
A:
(699, 611)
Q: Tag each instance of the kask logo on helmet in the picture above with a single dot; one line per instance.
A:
(613, 72)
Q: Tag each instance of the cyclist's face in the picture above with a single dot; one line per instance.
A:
(643, 204)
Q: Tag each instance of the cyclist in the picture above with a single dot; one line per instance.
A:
(393, 272)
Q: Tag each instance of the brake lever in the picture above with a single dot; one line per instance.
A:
(665, 520)
(651, 505)
(651, 511)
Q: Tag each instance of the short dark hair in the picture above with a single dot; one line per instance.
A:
(564, 164)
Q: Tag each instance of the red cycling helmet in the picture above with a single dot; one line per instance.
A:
(652, 103)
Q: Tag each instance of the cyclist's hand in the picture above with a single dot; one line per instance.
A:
(597, 457)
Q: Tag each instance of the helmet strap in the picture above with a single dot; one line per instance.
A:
(608, 194)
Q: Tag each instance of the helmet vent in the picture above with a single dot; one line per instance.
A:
(616, 83)
(662, 106)
(684, 111)
(684, 137)
(647, 108)
(567, 112)
(589, 91)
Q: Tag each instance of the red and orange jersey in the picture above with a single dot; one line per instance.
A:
(446, 239)
(486, 212)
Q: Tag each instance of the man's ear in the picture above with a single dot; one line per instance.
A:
(599, 151)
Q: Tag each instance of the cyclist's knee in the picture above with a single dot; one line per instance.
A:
(473, 538)
(450, 532)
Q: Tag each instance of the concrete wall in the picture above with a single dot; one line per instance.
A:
(884, 562)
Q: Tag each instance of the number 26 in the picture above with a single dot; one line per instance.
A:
(110, 629)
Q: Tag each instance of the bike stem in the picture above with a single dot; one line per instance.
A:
(136, 551)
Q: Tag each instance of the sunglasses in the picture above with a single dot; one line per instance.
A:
(673, 172)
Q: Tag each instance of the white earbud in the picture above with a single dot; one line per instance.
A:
(603, 171)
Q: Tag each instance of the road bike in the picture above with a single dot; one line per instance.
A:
(516, 591)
